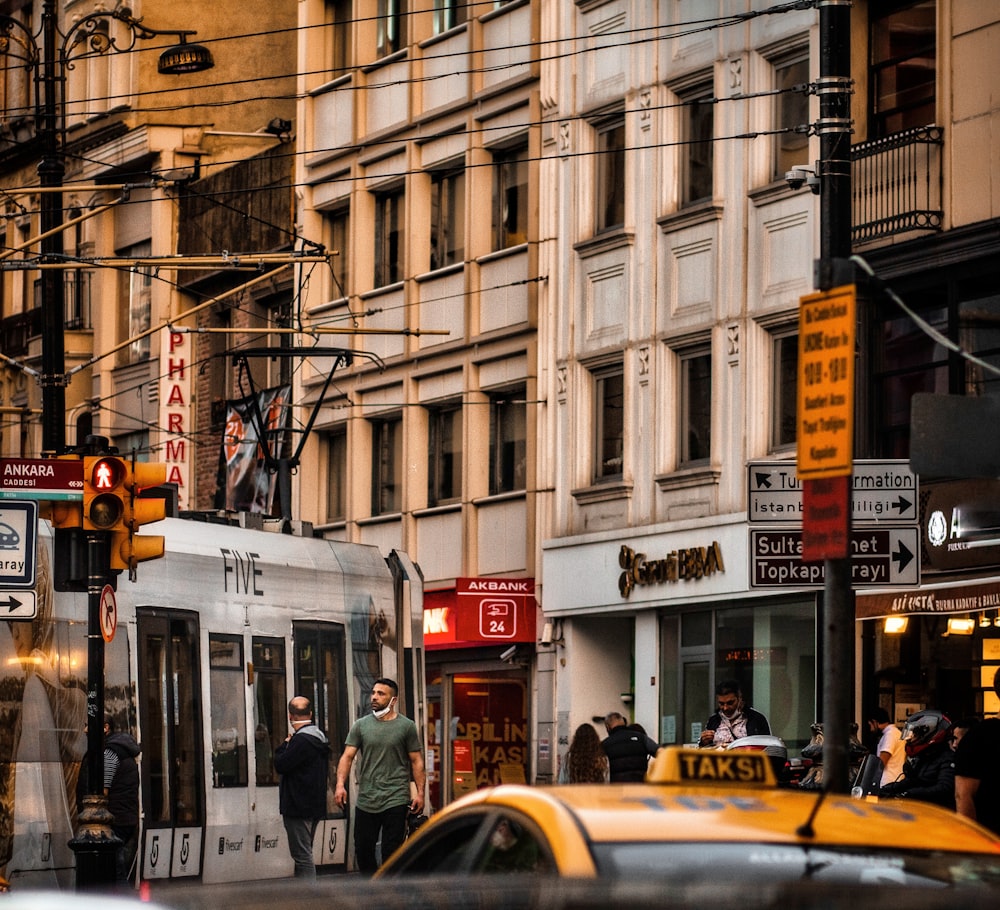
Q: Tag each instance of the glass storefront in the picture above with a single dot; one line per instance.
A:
(769, 648)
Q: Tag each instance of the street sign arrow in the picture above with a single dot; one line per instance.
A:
(902, 557)
(18, 605)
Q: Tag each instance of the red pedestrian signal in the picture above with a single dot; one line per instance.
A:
(104, 493)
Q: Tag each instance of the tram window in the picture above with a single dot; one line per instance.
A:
(229, 724)
(270, 710)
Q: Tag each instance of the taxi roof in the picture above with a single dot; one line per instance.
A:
(720, 811)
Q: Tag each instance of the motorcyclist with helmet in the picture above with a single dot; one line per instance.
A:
(929, 769)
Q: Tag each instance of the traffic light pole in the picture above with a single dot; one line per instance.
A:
(95, 844)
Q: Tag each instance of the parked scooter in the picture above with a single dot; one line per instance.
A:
(813, 752)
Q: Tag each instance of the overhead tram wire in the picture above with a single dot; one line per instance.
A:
(687, 29)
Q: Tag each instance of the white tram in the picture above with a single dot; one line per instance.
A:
(211, 642)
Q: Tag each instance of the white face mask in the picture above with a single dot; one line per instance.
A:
(385, 710)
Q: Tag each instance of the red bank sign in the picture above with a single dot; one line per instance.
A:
(480, 611)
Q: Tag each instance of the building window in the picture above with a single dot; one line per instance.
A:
(508, 441)
(785, 364)
(138, 284)
(336, 496)
(229, 723)
(388, 237)
(387, 465)
(391, 26)
(964, 308)
(449, 13)
(341, 19)
(609, 422)
(338, 232)
(791, 114)
(510, 197)
(610, 182)
(696, 406)
(444, 461)
(697, 153)
(270, 712)
(903, 68)
(447, 218)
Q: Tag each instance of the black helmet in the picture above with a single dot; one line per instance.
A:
(923, 729)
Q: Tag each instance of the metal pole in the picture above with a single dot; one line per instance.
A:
(95, 844)
(50, 175)
(835, 249)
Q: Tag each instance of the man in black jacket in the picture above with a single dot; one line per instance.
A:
(734, 719)
(628, 750)
(121, 784)
(302, 761)
(929, 769)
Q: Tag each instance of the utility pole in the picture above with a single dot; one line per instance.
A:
(50, 175)
(833, 269)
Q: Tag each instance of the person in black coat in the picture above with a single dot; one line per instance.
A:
(734, 718)
(628, 750)
(302, 761)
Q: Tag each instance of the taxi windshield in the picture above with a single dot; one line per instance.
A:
(751, 863)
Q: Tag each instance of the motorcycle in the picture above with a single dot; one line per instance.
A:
(813, 753)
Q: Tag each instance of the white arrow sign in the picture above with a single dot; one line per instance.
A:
(882, 492)
(18, 605)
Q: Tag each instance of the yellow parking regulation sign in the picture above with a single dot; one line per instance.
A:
(826, 383)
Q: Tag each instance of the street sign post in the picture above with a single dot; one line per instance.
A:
(49, 479)
(882, 493)
(880, 557)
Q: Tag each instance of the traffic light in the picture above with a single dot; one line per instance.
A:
(128, 548)
(111, 502)
(104, 493)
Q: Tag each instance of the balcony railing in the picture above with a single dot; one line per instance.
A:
(896, 184)
(76, 299)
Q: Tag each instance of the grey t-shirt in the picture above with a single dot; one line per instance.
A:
(384, 761)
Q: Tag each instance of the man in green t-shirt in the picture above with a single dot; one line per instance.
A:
(391, 756)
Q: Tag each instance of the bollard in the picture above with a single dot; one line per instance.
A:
(95, 845)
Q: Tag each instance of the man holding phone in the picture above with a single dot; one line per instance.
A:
(391, 756)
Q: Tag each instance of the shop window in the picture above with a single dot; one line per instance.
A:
(903, 65)
(270, 705)
(228, 710)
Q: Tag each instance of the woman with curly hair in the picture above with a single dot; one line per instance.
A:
(585, 762)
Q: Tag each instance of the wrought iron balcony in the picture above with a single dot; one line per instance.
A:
(16, 330)
(896, 184)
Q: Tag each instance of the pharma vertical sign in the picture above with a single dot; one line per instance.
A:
(826, 383)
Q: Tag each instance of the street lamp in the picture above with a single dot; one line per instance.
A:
(48, 55)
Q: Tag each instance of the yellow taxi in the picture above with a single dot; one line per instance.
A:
(701, 815)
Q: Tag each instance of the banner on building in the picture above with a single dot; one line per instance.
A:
(248, 484)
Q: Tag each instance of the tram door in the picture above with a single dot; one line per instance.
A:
(321, 675)
(173, 794)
